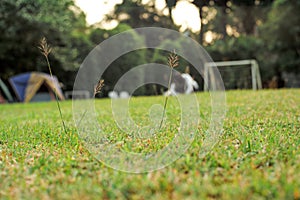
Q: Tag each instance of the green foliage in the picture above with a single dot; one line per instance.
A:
(256, 158)
(251, 2)
(281, 34)
(137, 14)
(24, 22)
(125, 62)
(267, 30)
(160, 56)
(243, 47)
(266, 33)
(98, 35)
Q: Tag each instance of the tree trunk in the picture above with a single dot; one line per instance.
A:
(249, 20)
(223, 22)
(201, 34)
(170, 14)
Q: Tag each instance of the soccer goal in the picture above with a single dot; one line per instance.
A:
(240, 74)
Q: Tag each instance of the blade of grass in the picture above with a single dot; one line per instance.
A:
(172, 63)
(45, 50)
(166, 99)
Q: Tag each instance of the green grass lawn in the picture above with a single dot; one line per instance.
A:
(258, 156)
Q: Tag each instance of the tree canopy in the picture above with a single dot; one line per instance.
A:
(230, 30)
(24, 22)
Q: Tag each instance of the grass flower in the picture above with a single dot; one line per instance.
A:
(98, 87)
(173, 61)
(44, 47)
(45, 50)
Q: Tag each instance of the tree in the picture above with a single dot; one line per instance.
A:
(248, 12)
(125, 62)
(137, 14)
(232, 48)
(171, 4)
(281, 34)
(24, 22)
(201, 5)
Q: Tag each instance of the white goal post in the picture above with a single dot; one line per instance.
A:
(255, 74)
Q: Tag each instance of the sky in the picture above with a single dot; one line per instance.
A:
(185, 14)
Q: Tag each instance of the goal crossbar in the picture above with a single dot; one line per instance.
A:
(255, 74)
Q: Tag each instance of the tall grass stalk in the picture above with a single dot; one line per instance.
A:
(173, 61)
(45, 50)
(97, 89)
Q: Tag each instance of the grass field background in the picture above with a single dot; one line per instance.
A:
(258, 156)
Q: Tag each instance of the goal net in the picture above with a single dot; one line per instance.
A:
(241, 74)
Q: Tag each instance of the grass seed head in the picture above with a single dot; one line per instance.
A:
(98, 87)
(173, 60)
(44, 47)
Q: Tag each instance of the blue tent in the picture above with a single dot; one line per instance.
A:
(27, 85)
